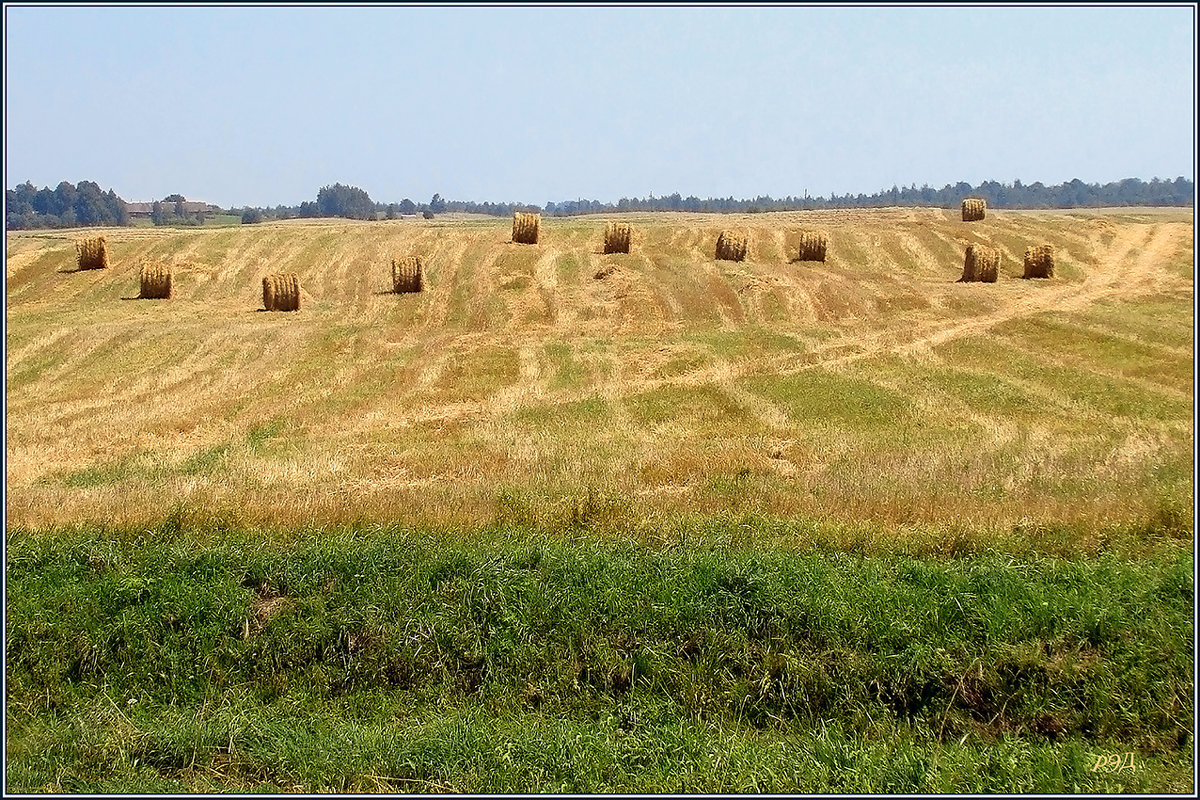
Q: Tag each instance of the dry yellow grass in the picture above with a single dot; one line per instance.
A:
(672, 382)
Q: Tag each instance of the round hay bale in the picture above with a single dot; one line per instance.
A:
(617, 236)
(408, 274)
(973, 209)
(92, 253)
(981, 264)
(1039, 261)
(269, 293)
(156, 282)
(731, 246)
(281, 292)
(811, 246)
(525, 227)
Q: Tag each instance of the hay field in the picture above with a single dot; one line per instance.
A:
(530, 382)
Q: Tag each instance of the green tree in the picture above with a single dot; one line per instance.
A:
(345, 201)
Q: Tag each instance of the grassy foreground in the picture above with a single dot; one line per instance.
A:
(499, 660)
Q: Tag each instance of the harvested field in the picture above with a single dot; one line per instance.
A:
(671, 381)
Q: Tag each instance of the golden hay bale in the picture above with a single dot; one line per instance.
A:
(408, 274)
(525, 227)
(731, 246)
(981, 264)
(617, 236)
(92, 253)
(281, 292)
(811, 245)
(973, 209)
(156, 282)
(269, 292)
(1039, 261)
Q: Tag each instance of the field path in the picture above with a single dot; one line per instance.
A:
(1116, 272)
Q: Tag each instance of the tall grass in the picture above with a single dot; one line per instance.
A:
(333, 659)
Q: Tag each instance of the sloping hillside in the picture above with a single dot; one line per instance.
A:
(546, 381)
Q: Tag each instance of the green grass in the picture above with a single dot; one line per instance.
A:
(702, 409)
(1078, 387)
(826, 396)
(501, 660)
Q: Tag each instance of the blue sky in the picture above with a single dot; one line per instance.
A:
(263, 105)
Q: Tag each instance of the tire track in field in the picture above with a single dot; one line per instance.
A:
(448, 281)
(14, 358)
(545, 283)
(1106, 280)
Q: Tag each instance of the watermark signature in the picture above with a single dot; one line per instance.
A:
(1115, 762)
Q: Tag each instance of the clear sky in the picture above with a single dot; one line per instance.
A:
(263, 105)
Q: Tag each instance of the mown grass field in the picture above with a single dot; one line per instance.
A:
(790, 456)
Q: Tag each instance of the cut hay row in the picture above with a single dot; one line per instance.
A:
(525, 227)
(731, 246)
(92, 253)
(156, 282)
(811, 246)
(981, 264)
(617, 237)
(973, 209)
(408, 274)
(1039, 261)
(281, 292)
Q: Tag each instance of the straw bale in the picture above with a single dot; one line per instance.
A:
(617, 236)
(525, 227)
(973, 209)
(1039, 261)
(981, 264)
(156, 282)
(408, 274)
(731, 246)
(92, 253)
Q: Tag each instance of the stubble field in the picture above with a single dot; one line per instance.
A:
(869, 389)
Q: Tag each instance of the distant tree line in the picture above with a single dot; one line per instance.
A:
(85, 204)
(1073, 194)
(352, 202)
(66, 206)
